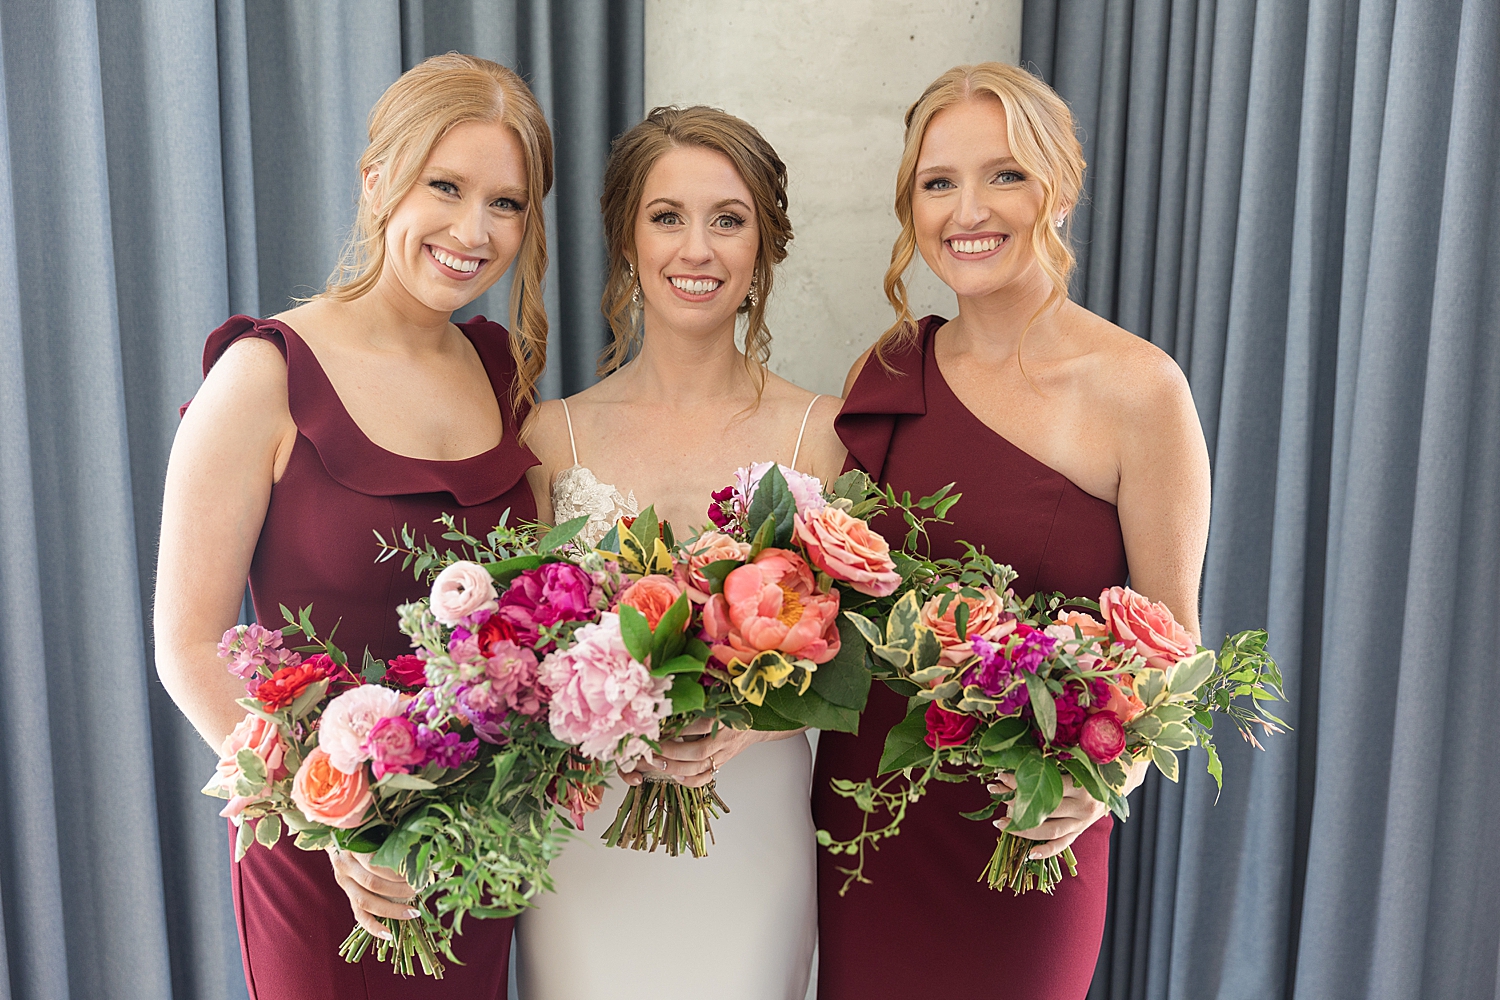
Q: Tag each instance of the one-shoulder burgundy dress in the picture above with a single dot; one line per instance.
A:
(926, 927)
(317, 548)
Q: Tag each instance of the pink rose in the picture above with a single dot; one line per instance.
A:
(460, 590)
(652, 596)
(772, 603)
(601, 696)
(348, 719)
(1146, 626)
(947, 729)
(845, 548)
(393, 747)
(262, 739)
(709, 547)
(1102, 737)
(988, 620)
(328, 795)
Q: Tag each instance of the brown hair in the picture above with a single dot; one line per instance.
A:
(630, 161)
(1039, 128)
(411, 117)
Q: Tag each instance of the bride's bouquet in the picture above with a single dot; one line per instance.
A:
(739, 626)
(441, 763)
(1038, 689)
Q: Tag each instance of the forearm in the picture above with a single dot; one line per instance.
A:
(202, 689)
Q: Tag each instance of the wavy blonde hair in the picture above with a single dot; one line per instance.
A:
(1043, 140)
(413, 116)
(631, 158)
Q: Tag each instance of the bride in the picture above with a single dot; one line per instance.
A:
(695, 221)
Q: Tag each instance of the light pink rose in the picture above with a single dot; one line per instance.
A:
(772, 603)
(845, 548)
(262, 739)
(988, 619)
(344, 730)
(328, 795)
(709, 547)
(460, 590)
(1145, 626)
(601, 696)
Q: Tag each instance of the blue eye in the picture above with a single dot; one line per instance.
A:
(443, 186)
(1010, 177)
(937, 184)
(665, 218)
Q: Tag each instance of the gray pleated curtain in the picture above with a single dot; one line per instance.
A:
(1297, 199)
(163, 165)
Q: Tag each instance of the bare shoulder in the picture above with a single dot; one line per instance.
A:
(1135, 380)
(856, 368)
(546, 434)
(248, 379)
(821, 452)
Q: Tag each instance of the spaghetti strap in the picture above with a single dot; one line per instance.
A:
(800, 431)
(574, 444)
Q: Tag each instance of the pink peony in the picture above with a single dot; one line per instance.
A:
(600, 696)
(1102, 737)
(328, 795)
(348, 719)
(548, 595)
(947, 729)
(653, 596)
(1146, 626)
(247, 648)
(807, 491)
(709, 547)
(988, 620)
(845, 548)
(772, 603)
(262, 739)
(393, 747)
(460, 590)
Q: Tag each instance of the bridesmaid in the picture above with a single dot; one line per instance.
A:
(1081, 461)
(363, 409)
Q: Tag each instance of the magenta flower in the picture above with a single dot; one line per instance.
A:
(445, 749)
(548, 595)
(393, 747)
(1000, 672)
(716, 512)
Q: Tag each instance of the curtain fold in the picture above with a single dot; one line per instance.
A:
(1297, 201)
(162, 166)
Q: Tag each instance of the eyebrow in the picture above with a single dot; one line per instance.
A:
(998, 161)
(674, 203)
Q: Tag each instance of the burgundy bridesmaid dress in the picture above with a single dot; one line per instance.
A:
(926, 927)
(317, 548)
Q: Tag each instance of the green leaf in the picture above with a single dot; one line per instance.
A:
(251, 766)
(683, 664)
(766, 719)
(845, 679)
(309, 699)
(1215, 766)
(636, 632)
(1187, 676)
(928, 652)
(1150, 685)
(1165, 761)
(562, 534)
(243, 839)
(716, 571)
(372, 670)
(667, 639)
(1039, 791)
(406, 782)
(905, 744)
(867, 629)
(1113, 774)
(611, 540)
(268, 830)
(397, 847)
(961, 622)
(773, 501)
(686, 694)
(901, 626)
(1082, 770)
(812, 710)
(646, 528)
(1003, 733)
(506, 570)
(1043, 707)
(764, 536)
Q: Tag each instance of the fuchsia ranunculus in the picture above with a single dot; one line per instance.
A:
(947, 729)
(550, 594)
(772, 603)
(1102, 736)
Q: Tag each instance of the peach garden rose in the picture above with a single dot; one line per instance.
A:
(1146, 626)
(988, 619)
(844, 547)
(327, 795)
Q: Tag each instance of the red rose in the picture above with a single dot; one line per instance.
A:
(947, 729)
(406, 671)
(1102, 736)
(495, 630)
(282, 688)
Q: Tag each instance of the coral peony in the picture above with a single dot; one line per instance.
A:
(807, 491)
(709, 547)
(1102, 736)
(347, 722)
(460, 590)
(601, 696)
(772, 604)
(406, 671)
(1146, 626)
(652, 596)
(988, 619)
(947, 729)
(393, 747)
(262, 739)
(282, 688)
(548, 595)
(329, 795)
(845, 548)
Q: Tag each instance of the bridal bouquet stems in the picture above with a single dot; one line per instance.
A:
(739, 626)
(1040, 688)
(440, 764)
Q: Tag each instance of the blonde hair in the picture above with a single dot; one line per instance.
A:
(630, 161)
(1040, 130)
(412, 117)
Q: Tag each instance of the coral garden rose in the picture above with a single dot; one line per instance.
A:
(653, 596)
(1102, 736)
(348, 719)
(285, 685)
(1146, 626)
(406, 671)
(460, 590)
(772, 603)
(988, 620)
(580, 800)
(328, 795)
(947, 729)
(601, 696)
(262, 739)
(393, 747)
(807, 491)
(1087, 624)
(709, 547)
(1122, 700)
(845, 548)
(548, 595)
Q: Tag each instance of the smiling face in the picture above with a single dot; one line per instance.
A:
(973, 205)
(460, 226)
(696, 241)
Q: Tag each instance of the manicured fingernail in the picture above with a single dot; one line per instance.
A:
(411, 914)
(384, 935)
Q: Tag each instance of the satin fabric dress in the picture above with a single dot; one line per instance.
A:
(317, 548)
(926, 927)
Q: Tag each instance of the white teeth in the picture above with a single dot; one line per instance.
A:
(976, 246)
(696, 286)
(458, 265)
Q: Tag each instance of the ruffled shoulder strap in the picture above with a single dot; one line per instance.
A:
(880, 397)
(233, 329)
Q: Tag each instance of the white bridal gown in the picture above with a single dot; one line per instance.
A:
(739, 923)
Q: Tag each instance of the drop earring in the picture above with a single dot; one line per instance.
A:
(753, 298)
(635, 293)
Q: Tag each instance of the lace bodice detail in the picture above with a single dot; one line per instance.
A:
(577, 491)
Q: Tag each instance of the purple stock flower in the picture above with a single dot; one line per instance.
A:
(548, 595)
(1002, 665)
(246, 648)
(446, 749)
